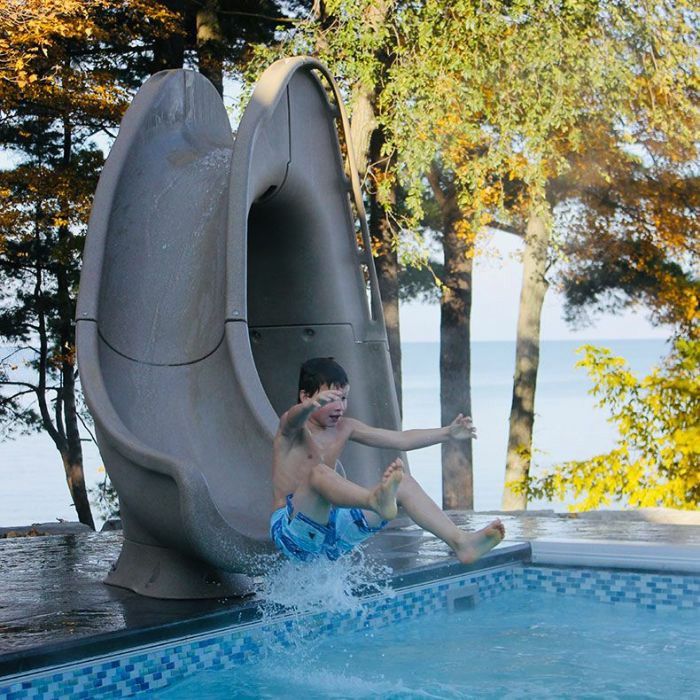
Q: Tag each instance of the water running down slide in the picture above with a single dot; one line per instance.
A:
(211, 271)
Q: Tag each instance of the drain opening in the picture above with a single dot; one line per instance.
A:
(464, 598)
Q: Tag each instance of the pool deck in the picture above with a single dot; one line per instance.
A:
(53, 604)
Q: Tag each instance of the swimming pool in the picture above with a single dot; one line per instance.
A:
(519, 644)
(515, 619)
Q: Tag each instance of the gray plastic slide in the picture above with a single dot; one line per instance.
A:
(211, 271)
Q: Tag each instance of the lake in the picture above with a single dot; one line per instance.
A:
(567, 426)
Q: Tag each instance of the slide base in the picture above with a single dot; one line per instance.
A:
(159, 572)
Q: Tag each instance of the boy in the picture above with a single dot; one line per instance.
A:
(320, 513)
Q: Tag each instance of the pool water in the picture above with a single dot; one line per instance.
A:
(520, 644)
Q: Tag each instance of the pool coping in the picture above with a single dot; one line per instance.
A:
(611, 554)
(82, 648)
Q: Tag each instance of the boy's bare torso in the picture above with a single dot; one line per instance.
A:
(295, 454)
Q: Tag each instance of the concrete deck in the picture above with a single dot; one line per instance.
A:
(52, 599)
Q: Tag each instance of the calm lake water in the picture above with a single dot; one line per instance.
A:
(567, 426)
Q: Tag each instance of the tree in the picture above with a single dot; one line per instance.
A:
(63, 79)
(476, 137)
(656, 461)
(455, 341)
(216, 34)
(67, 72)
(634, 243)
(629, 184)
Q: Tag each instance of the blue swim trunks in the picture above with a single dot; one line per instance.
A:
(304, 539)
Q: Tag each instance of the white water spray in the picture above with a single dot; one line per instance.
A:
(300, 588)
(299, 593)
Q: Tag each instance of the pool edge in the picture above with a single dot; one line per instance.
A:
(91, 646)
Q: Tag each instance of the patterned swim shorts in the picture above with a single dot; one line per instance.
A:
(304, 539)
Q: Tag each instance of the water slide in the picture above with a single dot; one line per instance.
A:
(212, 270)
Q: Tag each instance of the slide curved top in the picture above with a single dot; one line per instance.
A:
(211, 271)
(166, 186)
(261, 138)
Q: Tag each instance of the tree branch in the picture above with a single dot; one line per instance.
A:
(442, 198)
(15, 351)
(87, 428)
(506, 228)
(43, 366)
(4, 382)
(17, 395)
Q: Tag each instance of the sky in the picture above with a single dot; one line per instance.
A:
(496, 296)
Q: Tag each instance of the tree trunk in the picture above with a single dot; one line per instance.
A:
(387, 263)
(210, 44)
(66, 414)
(169, 52)
(72, 453)
(455, 346)
(455, 368)
(527, 356)
(75, 478)
(362, 126)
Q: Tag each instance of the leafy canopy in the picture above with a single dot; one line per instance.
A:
(656, 461)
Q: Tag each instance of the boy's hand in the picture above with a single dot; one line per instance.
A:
(323, 398)
(462, 428)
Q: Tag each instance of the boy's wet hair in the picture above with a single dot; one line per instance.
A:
(318, 371)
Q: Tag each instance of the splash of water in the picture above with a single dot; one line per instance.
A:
(300, 588)
(296, 594)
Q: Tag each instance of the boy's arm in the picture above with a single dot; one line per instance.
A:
(294, 419)
(461, 428)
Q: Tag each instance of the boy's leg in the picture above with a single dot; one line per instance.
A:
(325, 487)
(468, 546)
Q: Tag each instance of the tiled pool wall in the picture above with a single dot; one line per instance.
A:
(156, 666)
(652, 591)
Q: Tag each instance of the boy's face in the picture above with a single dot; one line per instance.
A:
(328, 416)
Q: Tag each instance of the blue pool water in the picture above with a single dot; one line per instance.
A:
(519, 644)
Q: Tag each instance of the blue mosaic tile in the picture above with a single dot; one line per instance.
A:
(657, 590)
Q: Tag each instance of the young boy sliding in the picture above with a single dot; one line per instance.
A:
(319, 512)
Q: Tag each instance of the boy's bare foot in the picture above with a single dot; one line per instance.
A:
(472, 545)
(383, 498)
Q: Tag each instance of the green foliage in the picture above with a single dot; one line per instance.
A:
(656, 461)
(495, 95)
(72, 84)
(421, 282)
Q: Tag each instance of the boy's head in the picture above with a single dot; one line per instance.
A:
(321, 372)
